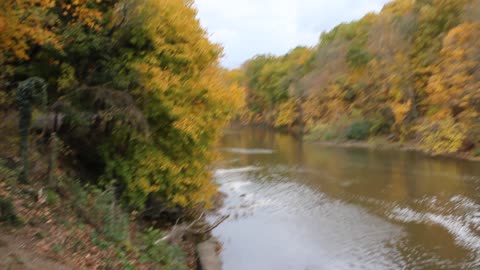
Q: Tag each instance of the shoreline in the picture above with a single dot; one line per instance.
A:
(207, 251)
(406, 147)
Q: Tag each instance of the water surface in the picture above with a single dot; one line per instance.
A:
(296, 205)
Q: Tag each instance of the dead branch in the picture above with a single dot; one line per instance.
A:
(178, 231)
(216, 224)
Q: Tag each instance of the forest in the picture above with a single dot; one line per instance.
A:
(111, 109)
(408, 74)
(133, 85)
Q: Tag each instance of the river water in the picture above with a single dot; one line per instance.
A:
(302, 206)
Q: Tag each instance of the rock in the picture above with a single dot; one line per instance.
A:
(208, 257)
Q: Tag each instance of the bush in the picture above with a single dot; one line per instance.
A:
(359, 131)
(169, 256)
(7, 212)
(7, 173)
(323, 132)
(287, 114)
(357, 57)
(336, 130)
(350, 94)
(115, 221)
(100, 208)
(443, 136)
(382, 122)
(52, 198)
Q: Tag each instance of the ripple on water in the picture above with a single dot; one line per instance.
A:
(223, 172)
(316, 231)
(462, 228)
(249, 151)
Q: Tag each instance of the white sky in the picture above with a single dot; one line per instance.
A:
(249, 27)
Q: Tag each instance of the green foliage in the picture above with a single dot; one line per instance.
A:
(344, 128)
(323, 132)
(169, 256)
(272, 83)
(114, 221)
(100, 209)
(7, 212)
(173, 76)
(434, 19)
(345, 31)
(382, 122)
(332, 131)
(52, 198)
(350, 95)
(140, 79)
(67, 78)
(357, 57)
(359, 131)
(7, 174)
(28, 91)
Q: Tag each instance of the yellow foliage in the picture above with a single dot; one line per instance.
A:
(181, 73)
(27, 23)
(443, 136)
(454, 85)
(287, 114)
(400, 110)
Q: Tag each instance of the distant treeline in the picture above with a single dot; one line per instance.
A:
(409, 73)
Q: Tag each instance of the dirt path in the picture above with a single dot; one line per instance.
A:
(15, 256)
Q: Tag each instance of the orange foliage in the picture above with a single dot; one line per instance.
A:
(455, 83)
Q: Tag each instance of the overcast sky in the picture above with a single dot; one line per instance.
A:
(249, 27)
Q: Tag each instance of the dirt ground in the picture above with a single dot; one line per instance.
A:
(15, 256)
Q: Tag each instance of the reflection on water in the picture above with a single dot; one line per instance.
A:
(306, 206)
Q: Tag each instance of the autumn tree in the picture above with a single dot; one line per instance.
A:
(139, 87)
(398, 71)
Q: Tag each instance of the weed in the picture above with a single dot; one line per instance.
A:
(57, 248)
(8, 213)
(169, 256)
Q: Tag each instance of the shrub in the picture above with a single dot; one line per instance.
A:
(287, 114)
(323, 132)
(7, 173)
(7, 212)
(350, 94)
(52, 198)
(99, 208)
(115, 221)
(382, 122)
(443, 136)
(169, 256)
(357, 57)
(359, 131)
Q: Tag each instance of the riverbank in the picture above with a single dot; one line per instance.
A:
(71, 226)
(386, 145)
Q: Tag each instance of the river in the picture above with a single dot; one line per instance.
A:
(302, 206)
